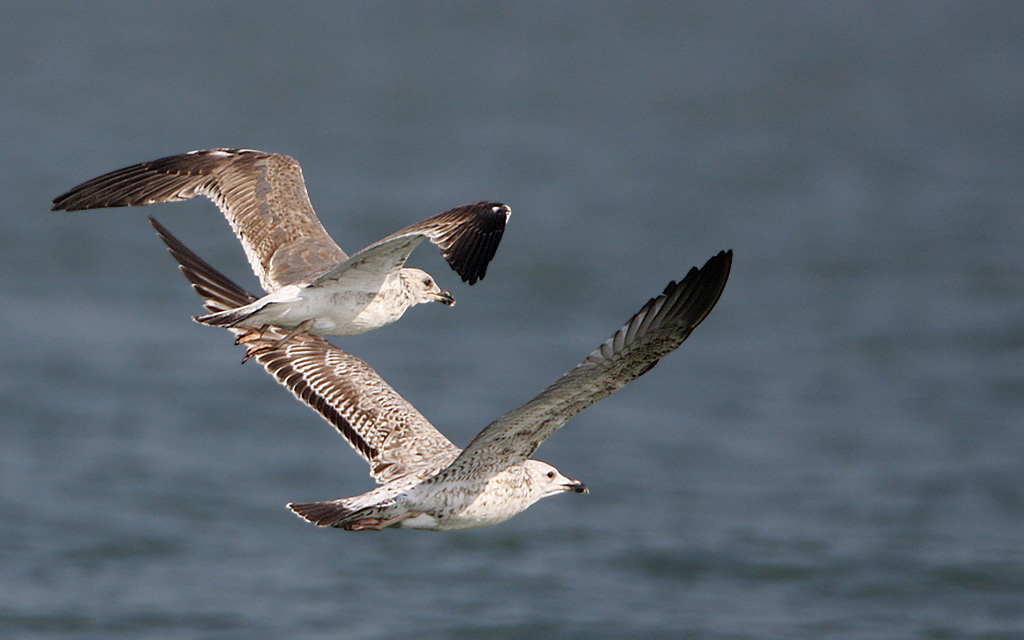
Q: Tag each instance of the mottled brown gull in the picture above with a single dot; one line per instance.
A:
(426, 482)
(312, 285)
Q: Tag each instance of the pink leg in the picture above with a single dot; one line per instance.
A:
(376, 524)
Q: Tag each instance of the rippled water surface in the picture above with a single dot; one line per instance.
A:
(836, 453)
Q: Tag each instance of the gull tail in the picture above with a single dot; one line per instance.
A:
(329, 513)
(230, 317)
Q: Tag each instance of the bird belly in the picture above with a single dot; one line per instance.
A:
(376, 314)
(449, 521)
(333, 312)
(465, 505)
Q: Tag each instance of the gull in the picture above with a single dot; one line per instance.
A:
(425, 481)
(312, 286)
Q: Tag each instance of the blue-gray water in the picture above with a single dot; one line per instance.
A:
(836, 453)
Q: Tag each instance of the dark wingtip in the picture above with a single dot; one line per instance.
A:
(475, 245)
(64, 202)
(212, 285)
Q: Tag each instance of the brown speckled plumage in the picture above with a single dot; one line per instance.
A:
(426, 482)
(263, 196)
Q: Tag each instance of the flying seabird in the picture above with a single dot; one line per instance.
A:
(312, 286)
(425, 481)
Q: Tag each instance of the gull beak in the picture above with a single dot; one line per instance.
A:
(577, 486)
(444, 298)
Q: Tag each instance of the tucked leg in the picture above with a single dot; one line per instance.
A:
(376, 524)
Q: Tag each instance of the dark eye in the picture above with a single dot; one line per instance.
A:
(428, 281)
(551, 474)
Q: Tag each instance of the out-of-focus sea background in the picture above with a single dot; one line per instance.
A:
(838, 452)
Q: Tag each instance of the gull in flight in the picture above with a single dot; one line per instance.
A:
(312, 286)
(425, 481)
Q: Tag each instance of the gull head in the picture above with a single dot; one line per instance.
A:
(548, 481)
(422, 287)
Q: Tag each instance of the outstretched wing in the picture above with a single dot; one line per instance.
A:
(655, 331)
(262, 195)
(391, 435)
(382, 426)
(468, 237)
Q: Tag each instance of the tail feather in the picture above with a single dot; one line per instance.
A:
(227, 317)
(322, 514)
